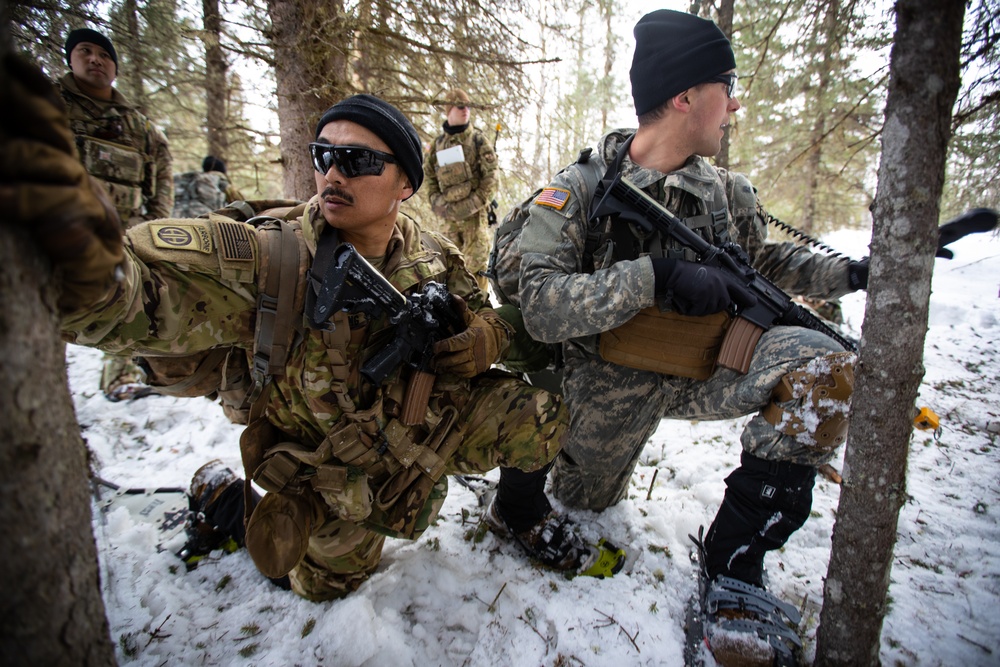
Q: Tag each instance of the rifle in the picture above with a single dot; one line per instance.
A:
(420, 320)
(617, 196)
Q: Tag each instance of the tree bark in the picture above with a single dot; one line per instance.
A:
(51, 611)
(136, 67)
(311, 73)
(216, 91)
(923, 85)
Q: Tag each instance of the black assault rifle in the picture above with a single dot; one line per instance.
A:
(353, 285)
(773, 307)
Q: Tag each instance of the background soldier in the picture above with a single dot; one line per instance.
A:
(799, 381)
(124, 151)
(118, 145)
(341, 468)
(200, 192)
(460, 176)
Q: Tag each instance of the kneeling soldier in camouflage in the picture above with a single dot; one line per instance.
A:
(344, 463)
(642, 325)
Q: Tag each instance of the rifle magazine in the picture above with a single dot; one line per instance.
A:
(418, 392)
(739, 344)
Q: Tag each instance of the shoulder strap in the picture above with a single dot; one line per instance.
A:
(280, 283)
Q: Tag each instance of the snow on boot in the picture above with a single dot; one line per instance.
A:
(740, 624)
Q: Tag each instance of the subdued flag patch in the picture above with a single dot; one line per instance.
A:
(554, 197)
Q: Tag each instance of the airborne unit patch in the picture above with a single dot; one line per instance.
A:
(178, 235)
(554, 197)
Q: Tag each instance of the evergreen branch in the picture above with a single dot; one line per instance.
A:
(458, 55)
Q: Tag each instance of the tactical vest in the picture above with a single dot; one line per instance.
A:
(114, 149)
(456, 178)
(657, 339)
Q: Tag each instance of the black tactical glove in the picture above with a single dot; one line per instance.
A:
(857, 274)
(695, 289)
(977, 220)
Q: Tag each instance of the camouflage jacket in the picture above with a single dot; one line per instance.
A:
(564, 297)
(461, 190)
(191, 285)
(124, 150)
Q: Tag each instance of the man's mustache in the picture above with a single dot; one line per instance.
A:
(331, 191)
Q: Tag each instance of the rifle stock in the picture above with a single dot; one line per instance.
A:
(619, 197)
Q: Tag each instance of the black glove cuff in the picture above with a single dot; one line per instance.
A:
(857, 275)
(664, 270)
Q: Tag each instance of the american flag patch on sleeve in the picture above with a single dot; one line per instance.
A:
(554, 197)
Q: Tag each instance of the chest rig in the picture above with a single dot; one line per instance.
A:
(370, 468)
(658, 339)
(114, 149)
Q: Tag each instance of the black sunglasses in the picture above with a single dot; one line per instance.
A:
(352, 161)
(729, 79)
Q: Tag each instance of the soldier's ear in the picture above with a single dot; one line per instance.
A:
(406, 189)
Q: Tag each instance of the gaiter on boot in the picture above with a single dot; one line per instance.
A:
(521, 499)
(765, 502)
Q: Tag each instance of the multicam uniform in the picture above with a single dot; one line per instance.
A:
(191, 285)
(124, 150)
(459, 193)
(613, 408)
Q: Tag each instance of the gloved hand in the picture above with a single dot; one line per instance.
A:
(473, 351)
(44, 186)
(976, 221)
(695, 289)
(857, 274)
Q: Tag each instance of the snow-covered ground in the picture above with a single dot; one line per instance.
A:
(447, 600)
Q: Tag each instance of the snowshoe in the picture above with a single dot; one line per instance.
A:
(553, 542)
(739, 624)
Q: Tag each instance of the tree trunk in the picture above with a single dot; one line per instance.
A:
(923, 85)
(52, 612)
(828, 30)
(216, 91)
(311, 77)
(136, 66)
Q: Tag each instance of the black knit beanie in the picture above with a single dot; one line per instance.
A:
(389, 124)
(94, 37)
(212, 163)
(673, 52)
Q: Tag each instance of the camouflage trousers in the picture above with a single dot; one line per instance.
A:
(614, 410)
(473, 239)
(507, 423)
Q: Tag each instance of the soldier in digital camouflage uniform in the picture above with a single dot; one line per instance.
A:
(799, 381)
(461, 190)
(341, 469)
(122, 149)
